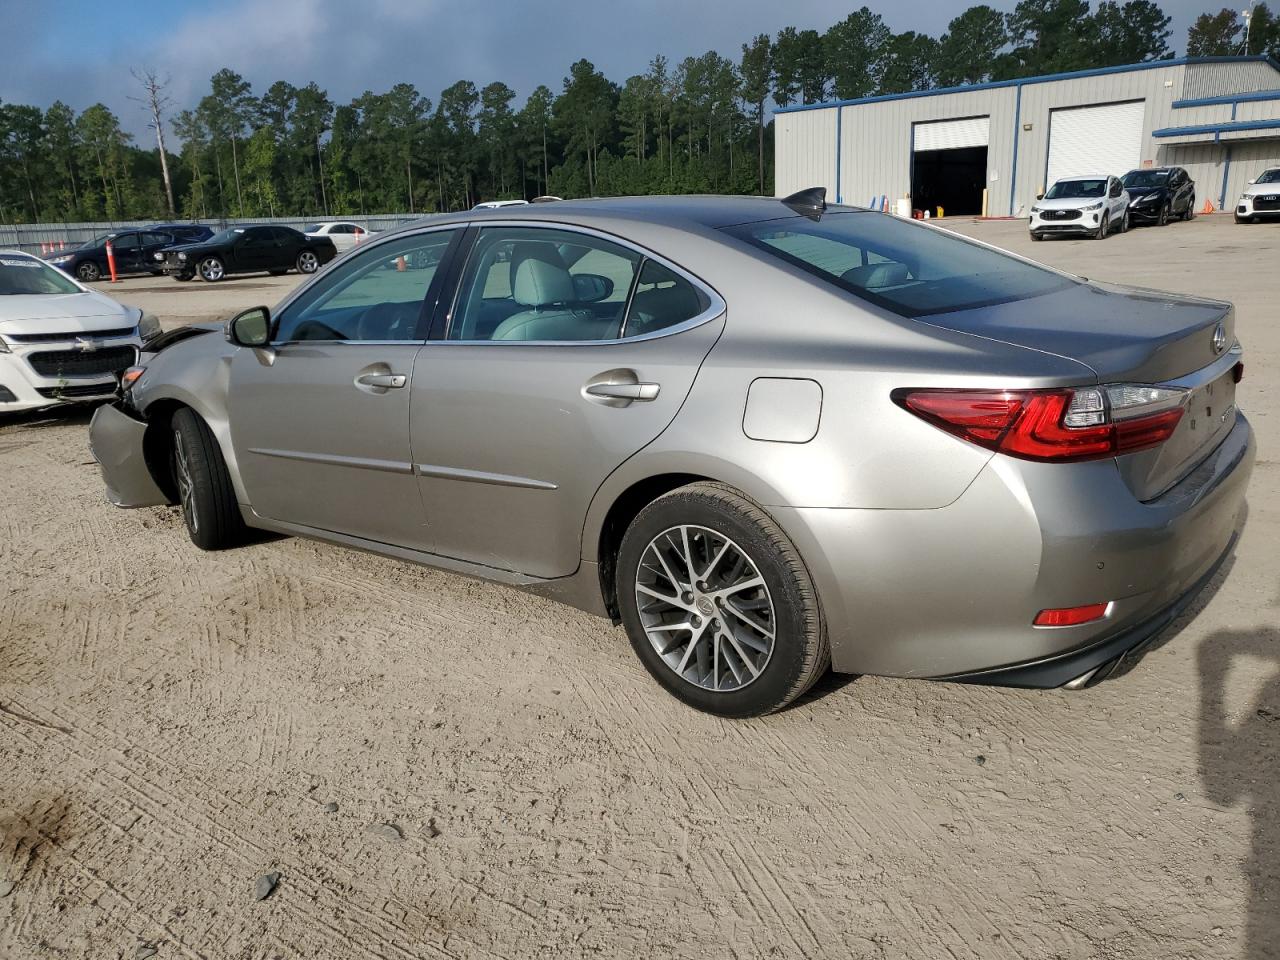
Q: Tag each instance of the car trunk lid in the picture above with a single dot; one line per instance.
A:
(1131, 335)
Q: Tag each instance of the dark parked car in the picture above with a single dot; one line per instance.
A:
(183, 232)
(274, 250)
(134, 252)
(1157, 194)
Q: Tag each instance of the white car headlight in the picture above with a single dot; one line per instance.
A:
(1094, 206)
(182, 256)
(158, 255)
(1035, 210)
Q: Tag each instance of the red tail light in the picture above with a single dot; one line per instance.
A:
(1071, 616)
(1086, 423)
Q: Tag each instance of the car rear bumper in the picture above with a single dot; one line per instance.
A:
(117, 442)
(952, 592)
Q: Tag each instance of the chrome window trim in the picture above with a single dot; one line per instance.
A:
(716, 305)
(327, 274)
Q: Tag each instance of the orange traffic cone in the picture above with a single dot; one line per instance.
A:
(1208, 207)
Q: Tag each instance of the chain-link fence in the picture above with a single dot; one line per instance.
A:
(43, 239)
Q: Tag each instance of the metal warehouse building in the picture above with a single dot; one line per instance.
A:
(1218, 117)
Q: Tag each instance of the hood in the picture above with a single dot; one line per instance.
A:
(186, 246)
(1068, 203)
(1124, 334)
(1261, 190)
(64, 312)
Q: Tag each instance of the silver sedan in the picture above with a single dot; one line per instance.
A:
(764, 436)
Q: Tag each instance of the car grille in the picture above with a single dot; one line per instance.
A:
(74, 363)
(1269, 202)
(63, 337)
(78, 392)
(1060, 215)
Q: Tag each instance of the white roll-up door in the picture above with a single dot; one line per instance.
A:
(951, 134)
(1089, 140)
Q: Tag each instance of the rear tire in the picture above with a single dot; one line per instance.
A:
(1190, 212)
(308, 262)
(200, 475)
(756, 601)
(1124, 224)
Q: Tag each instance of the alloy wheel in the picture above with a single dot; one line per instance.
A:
(211, 269)
(186, 486)
(88, 272)
(705, 608)
(307, 262)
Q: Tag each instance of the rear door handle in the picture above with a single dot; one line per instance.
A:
(624, 391)
(391, 381)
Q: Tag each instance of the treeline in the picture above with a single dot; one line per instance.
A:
(700, 125)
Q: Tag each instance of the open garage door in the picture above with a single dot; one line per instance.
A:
(1101, 139)
(949, 164)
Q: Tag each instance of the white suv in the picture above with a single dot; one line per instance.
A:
(1089, 206)
(1261, 198)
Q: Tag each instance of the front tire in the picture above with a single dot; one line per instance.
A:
(308, 262)
(211, 270)
(183, 277)
(1240, 219)
(1103, 228)
(718, 604)
(88, 272)
(208, 499)
(1163, 217)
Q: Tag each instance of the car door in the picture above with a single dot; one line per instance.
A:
(153, 243)
(126, 249)
(1186, 190)
(289, 243)
(566, 352)
(320, 422)
(1117, 200)
(254, 250)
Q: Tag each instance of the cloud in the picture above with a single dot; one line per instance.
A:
(52, 52)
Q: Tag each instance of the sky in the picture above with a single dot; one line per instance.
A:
(81, 52)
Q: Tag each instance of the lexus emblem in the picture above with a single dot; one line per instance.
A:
(85, 345)
(1219, 339)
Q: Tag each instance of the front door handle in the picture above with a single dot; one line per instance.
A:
(390, 381)
(624, 391)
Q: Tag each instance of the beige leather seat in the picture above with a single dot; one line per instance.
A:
(877, 275)
(546, 289)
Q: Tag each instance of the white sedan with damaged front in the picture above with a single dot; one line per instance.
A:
(60, 342)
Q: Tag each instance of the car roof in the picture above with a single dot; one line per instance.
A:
(1084, 176)
(703, 210)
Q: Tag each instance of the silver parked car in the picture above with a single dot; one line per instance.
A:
(762, 435)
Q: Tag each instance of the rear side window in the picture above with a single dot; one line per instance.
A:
(907, 268)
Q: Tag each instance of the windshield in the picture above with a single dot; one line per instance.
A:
(96, 241)
(226, 236)
(1071, 189)
(313, 228)
(19, 275)
(1146, 178)
(908, 268)
(1270, 176)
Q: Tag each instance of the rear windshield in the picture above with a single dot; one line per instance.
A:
(905, 267)
(1069, 189)
(26, 275)
(1146, 178)
(313, 228)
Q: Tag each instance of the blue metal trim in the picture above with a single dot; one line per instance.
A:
(1216, 128)
(839, 115)
(1226, 170)
(1046, 78)
(1017, 142)
(1232, 98)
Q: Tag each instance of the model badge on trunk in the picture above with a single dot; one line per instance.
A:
(1219, 338)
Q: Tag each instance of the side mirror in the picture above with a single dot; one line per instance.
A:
(250, 328)
(1039, 196)
(1252, 182)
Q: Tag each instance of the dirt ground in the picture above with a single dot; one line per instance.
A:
(509, 782)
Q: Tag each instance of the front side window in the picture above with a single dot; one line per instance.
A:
(907, 268)
(1115, 188)
(1076, 189)
(125, 241)
(547, 285)
(378, 295)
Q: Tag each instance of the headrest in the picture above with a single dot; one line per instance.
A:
(539, 283)
(876, 275)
